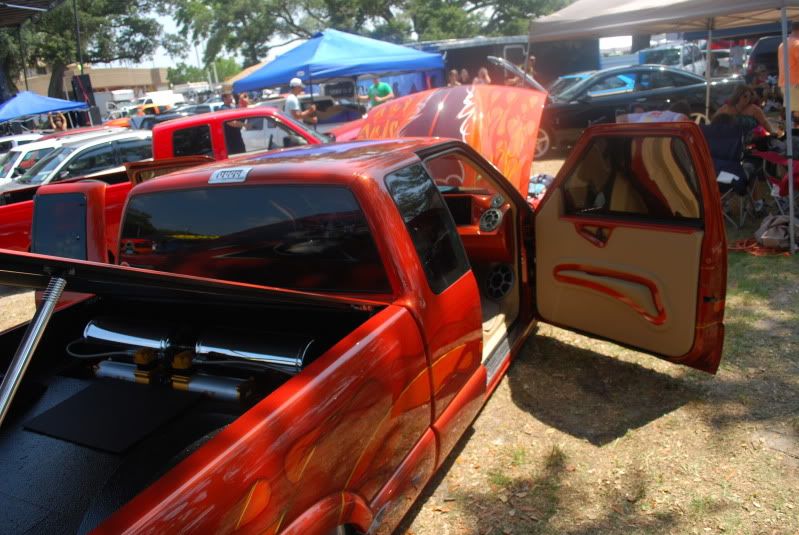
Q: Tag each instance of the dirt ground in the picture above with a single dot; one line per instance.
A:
(585, 437)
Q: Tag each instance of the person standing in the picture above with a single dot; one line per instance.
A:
(793, 63)
(292, 105)
(452, 78)
(378, 93)
(58, 122)
(244, 100)
(482, 77)
(465, 80)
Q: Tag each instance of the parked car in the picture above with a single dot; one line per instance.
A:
(299, 339)
(764, 52)
(9, 142)
(592, 101)
(19, 160)
(84, 157)
(228, 132)
(328, 110)
(686, 56)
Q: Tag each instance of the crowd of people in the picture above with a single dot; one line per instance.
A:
(457, 77)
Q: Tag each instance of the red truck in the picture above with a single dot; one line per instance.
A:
(294, 342)
(218, 135)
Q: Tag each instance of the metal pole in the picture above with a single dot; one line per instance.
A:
(708, 73)
(786, 91)
(24, 57)
(27, 347)
(77, 35)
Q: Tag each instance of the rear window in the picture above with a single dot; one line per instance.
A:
(192, 141)
(289, 236)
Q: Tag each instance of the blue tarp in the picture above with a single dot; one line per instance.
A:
(29, 103)
(334, 54)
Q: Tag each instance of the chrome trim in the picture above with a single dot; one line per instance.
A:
(281, 350)
(114, 331)
(123, 371)
(27, 347)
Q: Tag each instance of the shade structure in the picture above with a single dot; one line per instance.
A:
(334, 54)
(29, 103)
(18, 11)
(606, 18)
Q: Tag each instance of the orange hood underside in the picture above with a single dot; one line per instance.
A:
(499, 122)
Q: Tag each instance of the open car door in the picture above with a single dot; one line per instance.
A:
(630, 243)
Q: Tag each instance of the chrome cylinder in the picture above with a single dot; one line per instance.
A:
(128, 334)
(285, 352)
(215, 386)
(33, 334)
(124, 371)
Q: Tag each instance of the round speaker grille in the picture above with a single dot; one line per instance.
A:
(500, 281)
(490, 220)
(497, 201)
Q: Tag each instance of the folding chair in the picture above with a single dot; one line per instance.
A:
(726, 144)
(778, 180)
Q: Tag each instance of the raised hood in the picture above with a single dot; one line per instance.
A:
(499, 122)
(34, 271)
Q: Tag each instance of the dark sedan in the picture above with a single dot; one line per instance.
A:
(600, 97)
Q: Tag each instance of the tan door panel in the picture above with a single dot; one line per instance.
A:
(640, 288)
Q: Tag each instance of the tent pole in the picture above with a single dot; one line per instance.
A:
(708, 69)
(786, 92)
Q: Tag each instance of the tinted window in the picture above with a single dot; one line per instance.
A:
(90, 161)
(430, 226)
(650, 177)
(135, 150)
(654, 80)
(59, 225)
(607, 84)
(302, 237)
(192, 141)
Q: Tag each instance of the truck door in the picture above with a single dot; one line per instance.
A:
(630, 243)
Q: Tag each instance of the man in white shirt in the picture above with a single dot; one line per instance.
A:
(292, 105)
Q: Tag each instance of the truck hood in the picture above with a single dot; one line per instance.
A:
(34, 271)
(499, 122)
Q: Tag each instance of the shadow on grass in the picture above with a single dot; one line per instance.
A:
(589, 395)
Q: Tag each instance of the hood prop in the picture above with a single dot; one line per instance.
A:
(27, 347)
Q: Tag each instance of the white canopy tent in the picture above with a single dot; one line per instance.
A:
(606, 18)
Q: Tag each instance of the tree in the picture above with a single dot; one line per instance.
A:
(183, 73)
(246, 27)
(226, 68)
(111, 30)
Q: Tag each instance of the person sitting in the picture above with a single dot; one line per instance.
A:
(742, 106)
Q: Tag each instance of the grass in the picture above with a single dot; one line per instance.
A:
(604, 440)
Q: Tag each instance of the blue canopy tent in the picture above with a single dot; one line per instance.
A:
(29, 103)
(334, 54)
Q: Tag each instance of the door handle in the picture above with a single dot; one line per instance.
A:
(597, 236)
(642, 99)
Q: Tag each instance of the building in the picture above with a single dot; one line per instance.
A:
(141, 80)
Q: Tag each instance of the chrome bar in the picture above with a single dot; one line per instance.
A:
(27, 347)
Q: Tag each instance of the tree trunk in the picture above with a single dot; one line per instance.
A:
(56, 87)
(640, 41)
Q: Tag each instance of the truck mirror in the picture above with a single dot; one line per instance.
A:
(69, 221)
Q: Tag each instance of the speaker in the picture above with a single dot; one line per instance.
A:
(82, 89)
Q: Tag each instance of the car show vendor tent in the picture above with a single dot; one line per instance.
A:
(333, 54)
(28, 103)
(606, 18)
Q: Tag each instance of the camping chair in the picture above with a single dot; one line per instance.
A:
(726, 144)
(777, 179)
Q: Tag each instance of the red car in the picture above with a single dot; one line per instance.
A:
(295, 341)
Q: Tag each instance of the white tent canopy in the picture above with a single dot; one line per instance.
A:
(606, 18)
(585, 19)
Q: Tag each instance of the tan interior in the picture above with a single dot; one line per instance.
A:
(668, 259)
(662, 167)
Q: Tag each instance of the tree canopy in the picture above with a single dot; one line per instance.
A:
(247, 28)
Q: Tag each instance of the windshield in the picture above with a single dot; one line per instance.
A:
(562, 84)
(577, 89)
(665, 56)
(46, 166)
(307, 237)
(7, 162)
(305, 128)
